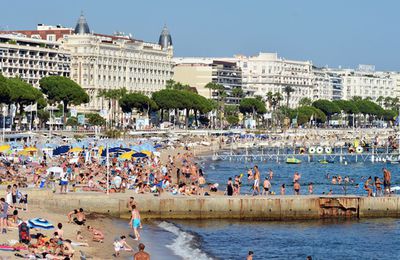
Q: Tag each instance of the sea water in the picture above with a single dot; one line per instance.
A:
(319, 174)
(328, 239)
(325, 239)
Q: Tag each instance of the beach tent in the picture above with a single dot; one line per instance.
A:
(61, 150)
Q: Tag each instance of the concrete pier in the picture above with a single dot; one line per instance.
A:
(222, 207)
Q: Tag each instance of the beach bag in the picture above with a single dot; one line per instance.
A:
(23, 231)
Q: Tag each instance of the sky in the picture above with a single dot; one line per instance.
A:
(335, 33)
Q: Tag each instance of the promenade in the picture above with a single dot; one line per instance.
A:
(222, 207)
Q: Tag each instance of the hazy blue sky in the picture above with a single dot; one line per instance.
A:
(336, 32)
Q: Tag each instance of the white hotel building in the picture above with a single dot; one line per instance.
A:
(365, 82)
(32, 59)
(105, 62)
(266, 72)
(95, 61)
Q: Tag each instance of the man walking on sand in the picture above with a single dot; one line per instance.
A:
(141, 255)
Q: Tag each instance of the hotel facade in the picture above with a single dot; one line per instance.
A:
(95, 61)
(32, 59)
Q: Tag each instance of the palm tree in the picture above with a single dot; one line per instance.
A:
(221, 95)
(380, 100)
(387, 102)
(269, 99)
(276, 100)
(112, 95)
(288, 90)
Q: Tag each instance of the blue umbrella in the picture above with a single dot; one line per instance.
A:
(61, 150)
(139, 155)
(40, 223)
(157, 146)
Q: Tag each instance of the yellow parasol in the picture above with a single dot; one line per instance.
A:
(23, 152)
(126, 156)
(30, 149)
(101, 150)
(4, 148)
(148, 153)
(75, 150)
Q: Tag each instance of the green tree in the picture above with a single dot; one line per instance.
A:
(329, 108)
(138, 101)
(348, 107)
(5, 94)
(288, 90)
(306, 113)
(305, 101)
(22, 94)
(72, 121)
(60, 89)
(95, 119)
(218, 90)
(380, 100)
(237, 93)
(232, 120)
(112, 95)
(387, 102)
(171, 84)
(252, 106)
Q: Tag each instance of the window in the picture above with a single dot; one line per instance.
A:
(51, 37)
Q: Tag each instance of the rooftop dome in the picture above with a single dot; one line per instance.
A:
(82, 27)
(165, 39)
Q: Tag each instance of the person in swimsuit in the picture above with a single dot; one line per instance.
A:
(266, 186)
(98, 236)
(256, 186)
(229, 187)
(310, 188)
(250, 255)
(121, 244)
(367, 186)
(386, 181)
(378, 186)
(141, 255)
(283, 189)
(135, 223)
(3, 215)
(202, 183)
(296, 187)
(80, 218)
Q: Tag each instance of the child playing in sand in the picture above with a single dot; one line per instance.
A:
(98, 236)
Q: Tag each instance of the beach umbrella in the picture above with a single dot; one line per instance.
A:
(148, 153)
(40, 223)
(126, 156)
(5, 147)
(157, 146)
(139, 155)
(75, 150)
(61, 150)
(30, 149)
(24, 153)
